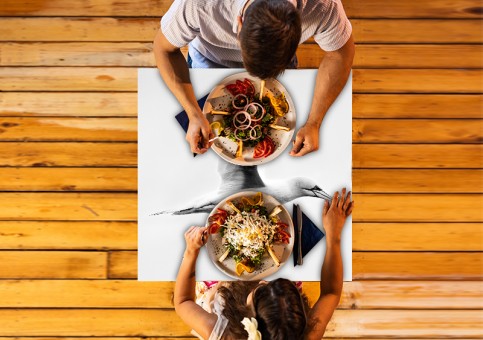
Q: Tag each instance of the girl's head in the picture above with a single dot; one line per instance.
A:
(278, 306)
(280, 310)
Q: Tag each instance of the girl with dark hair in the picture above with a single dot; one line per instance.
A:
(262, 310)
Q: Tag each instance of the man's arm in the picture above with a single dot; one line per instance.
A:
(331, 274)
(184, 291)
(173, 68)
(331, 78)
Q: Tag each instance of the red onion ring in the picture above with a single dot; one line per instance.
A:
(236, 97)
(254, 129)
(242, 123)
(254, 111)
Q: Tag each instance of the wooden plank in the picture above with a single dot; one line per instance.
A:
(122, 207)
(416, 156)
(419, 266)
(89, 104)
(125, 79)
(148, 322)
(52, 265)
(68, 129)
(416, 31)
(125, 105)
(123, 265)
(430, 236)
(417, 131)
(68, 79)
(417, 81)
(310, 55)
(418, 208)
(354, 8)
(68, 154)
(386, 56)
(366, 265)
(68, 179)
(144, 29)
(416, 106)
(68, 235)
(134, 294)
(416, 181)
(68, 206)
(413, 9)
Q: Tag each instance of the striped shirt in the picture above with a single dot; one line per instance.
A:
(210, 28)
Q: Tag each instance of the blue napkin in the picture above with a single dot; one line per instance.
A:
(183, 119)
(311, 235)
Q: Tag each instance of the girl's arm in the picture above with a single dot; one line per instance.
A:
(184, 291)
(334, 217)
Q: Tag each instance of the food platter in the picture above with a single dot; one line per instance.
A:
(220, 99)
(216, 244)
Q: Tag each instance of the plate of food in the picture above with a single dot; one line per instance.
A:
(251, 235)
(253, 120)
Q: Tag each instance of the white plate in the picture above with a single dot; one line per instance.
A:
(267, 267)
(219, 99)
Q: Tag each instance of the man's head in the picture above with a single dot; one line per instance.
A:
(269, 37)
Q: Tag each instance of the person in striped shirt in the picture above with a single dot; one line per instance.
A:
(261, 36)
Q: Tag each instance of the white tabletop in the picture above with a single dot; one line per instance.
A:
(170, 178)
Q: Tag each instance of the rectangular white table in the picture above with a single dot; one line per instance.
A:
(170, 177)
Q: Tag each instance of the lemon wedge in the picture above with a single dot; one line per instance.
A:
(217, 127)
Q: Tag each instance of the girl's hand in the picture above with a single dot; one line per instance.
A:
(196, 238)
(334, 216)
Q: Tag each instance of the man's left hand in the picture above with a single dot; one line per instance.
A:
(306, 141)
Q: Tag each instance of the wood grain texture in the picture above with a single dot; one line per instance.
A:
(354, 8)
(416, 156)
(68, 154)
(417, 181)
(418, 208)
(125, 79)
(68, 179)
(144, 29)
(141, 55)
(125, 105)
(52, 265)
(68, 235)
(134, 294)
(417, 81)
(69, 206)
(451, 131)
(148, 322)
(90, 104)
(365, 265)
(417, 236)
(416, 106)
(419, 266)
(69, 129)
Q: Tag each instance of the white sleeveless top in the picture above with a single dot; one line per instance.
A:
(212, 302)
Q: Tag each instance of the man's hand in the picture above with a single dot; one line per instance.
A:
(306, 141)
(199, 133)
(334, 216)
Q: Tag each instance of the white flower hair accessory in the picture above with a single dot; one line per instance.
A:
(251, 326)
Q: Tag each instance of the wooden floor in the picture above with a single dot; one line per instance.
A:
(68, 179)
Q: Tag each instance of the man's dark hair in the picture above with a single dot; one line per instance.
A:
(269, 37)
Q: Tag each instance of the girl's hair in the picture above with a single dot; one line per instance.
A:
(281, 310)
(279, 306)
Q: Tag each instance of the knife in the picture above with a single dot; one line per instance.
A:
(300, 260)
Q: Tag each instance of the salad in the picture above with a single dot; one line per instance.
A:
(248, 230)
(250, 116)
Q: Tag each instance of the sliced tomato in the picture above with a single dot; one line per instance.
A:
(250, 87)
(260, 149)
(233, 89)
(213, 228)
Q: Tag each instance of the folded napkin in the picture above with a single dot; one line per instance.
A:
(183, 119)
(311, 235)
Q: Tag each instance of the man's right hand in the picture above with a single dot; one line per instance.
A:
(335, 214)
(199, 133)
